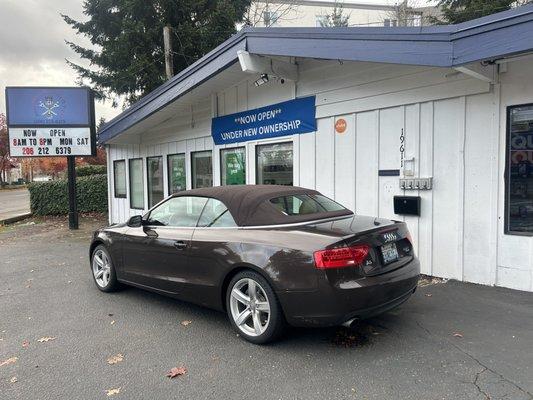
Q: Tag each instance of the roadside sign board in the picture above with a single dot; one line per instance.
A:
(50, 121)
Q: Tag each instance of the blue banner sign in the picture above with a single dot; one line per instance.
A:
(282, 119)
(46, 107)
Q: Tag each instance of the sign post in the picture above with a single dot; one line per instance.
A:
(52, 122)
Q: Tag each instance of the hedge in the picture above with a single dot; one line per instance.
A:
(87, 170)
(51, 198)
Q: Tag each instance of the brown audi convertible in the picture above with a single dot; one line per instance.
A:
(266, 255)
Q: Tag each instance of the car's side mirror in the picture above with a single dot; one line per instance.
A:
(136, 221)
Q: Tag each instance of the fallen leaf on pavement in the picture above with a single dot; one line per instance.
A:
(25, 343)
(46, 339)
(13, 380)
(176, 371)
(11, 360)
(185, 323)
(115, 359)
(112, 392)
(457, 334)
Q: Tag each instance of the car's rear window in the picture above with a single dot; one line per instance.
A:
(303, 204)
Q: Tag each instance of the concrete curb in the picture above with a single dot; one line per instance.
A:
(16, 218)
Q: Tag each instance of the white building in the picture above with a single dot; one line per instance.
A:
(313, 13)
(451, 103)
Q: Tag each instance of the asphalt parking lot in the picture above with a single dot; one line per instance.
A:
(450, 341)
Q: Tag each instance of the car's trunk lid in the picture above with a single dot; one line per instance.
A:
(389, 242)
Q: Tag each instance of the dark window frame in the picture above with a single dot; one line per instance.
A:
(168, 171)
(119, 196)
(193, 186)
(258, 145)
(507, 174)
(129, 181)
(148, 178)
(221, 160)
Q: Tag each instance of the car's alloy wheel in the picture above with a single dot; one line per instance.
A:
(253, 308)
(250, 308)
(103, 270)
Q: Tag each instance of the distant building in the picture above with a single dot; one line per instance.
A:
(314, 13)
(14, 173)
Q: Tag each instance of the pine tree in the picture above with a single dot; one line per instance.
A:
(336, 18)
(127, 57)
(457, 11)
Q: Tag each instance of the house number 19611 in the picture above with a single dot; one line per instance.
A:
(402, 148)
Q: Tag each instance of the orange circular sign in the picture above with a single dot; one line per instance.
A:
(340, 125)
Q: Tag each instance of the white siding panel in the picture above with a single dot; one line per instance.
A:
(325, 157)
(412, 150)
(479, 163)
(366, 159)
(345, 163)
(230, 98)
(425, 224)
(390, 129)
(307, 161)
(447, 197)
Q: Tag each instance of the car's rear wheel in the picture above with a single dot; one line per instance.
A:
(253, 308)
(103, 270)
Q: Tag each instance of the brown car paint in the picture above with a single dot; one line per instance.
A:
(196, 264)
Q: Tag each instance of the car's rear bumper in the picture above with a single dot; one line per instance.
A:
(334, 304)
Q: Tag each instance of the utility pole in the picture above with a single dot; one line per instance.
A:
(167, 41)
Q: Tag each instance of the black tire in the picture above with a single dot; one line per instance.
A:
(109, 283)
(276, 321)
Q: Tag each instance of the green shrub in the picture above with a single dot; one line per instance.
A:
(87, 170)
(51, 198)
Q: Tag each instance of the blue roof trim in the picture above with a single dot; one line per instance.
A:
(490, 37)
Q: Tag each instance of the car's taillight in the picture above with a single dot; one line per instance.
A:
(341, 257)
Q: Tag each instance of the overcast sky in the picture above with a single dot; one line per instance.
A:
(33, 49)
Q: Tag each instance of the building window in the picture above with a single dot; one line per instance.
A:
(119, 174)
(136, 183)
(274, 164)
(321, 21)
(155, 180)
(177, 178)
(270, 18)
(519, 174)
(202, 169)
(233, 166)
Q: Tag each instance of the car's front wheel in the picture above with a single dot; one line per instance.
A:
(253, 308)
(103, 270)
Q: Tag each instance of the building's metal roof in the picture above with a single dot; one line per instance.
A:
(495, 36)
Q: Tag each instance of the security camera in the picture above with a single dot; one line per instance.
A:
(262, 80)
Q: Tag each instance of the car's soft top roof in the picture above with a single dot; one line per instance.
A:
(250, 206)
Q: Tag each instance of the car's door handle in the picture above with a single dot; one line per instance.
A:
(180, 245)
